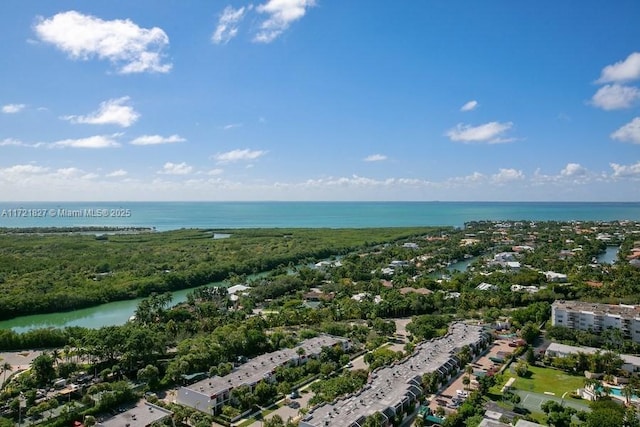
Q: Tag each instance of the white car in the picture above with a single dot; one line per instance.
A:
(462, 393)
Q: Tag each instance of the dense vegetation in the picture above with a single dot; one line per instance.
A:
(48, 272)
(381, 275)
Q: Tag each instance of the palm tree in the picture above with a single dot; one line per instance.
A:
(6, 366)
(608, 378)
(466, 381)
(594, 386)
(66, 353)
(468, 370)
(464, 355)
(56, 355)
(627, 392)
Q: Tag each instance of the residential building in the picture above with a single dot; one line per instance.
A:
(552, 276)
(586, 316)
(393, 390)
(530, 289)
(486, 287)
(630, 363)
(143, 414)
(210, 394)
(362, 296)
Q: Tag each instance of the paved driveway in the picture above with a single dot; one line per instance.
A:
(285, 411)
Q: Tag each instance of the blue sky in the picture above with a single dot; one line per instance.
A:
(320, 100)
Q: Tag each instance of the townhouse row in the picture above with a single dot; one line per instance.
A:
(393, 390)
(211, 394)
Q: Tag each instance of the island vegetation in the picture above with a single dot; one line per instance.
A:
(387, 291)
(65, 269)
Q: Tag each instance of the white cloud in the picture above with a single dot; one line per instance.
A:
(622, 71)
(117, 173)
(238, 155)
(26, 182)
(489, 132)
(41, 176)
(17, 172)
(474, 178)
(127, 46)
(114, 112)
(13, 108)
(10, 142)
(176, 169)
(615, 97)
(227, 24)
(507, 175)
(629, 132)
(97, 141)
(469, 106)
(157, 139)
(215, 172)
(620, 171)
(69, 172)
(573, 170)
(231, 126)
(375, 158)
(281, 14)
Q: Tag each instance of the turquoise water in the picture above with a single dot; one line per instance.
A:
(617, 391)
(175, 215)
(113, 313)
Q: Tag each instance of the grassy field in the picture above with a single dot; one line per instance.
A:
(544, 380)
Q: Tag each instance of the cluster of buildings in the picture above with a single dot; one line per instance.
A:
(505, 260)
(392, 390)
(210, 394)
(587, 316)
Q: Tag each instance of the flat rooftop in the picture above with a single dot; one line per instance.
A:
(142, 415)
(599, 309)
(388, 386)
(559, 348)
(260, 367)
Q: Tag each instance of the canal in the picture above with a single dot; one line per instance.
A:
(609, 256)
(113, 313)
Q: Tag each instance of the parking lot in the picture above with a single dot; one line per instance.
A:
(447, 396)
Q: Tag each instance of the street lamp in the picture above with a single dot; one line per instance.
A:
(23, 404)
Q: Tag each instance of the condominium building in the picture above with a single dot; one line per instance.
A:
(586, 316)
(144, 414)
(393, 390)
(210, 394)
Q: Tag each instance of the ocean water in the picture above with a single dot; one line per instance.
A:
(224, 215)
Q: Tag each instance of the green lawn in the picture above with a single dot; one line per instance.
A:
(549, 380)
(259, 417)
